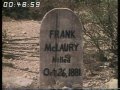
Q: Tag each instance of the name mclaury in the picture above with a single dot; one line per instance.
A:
(61, 47)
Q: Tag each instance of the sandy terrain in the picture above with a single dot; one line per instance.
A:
(22, 50)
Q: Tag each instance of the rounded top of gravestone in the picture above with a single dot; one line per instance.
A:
(60, 9)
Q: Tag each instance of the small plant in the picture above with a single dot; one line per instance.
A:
(4, 40)
(4, 37)
(8, 64)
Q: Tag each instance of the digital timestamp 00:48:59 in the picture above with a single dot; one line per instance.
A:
(21, 4)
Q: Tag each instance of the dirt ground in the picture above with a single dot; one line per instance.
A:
(22, 49)
(21, 56)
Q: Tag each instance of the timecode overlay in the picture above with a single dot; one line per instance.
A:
(21, 4)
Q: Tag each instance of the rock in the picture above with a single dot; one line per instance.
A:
(7, 42)
(13, 35)
(39, 22)
(34, 77)
(25, 75)
(13, 20)
(86, 85)
(76, 85)
(67, 88)
(59, 84)
(113, 83)
(24, 32)
(26, 69)
(16, 82)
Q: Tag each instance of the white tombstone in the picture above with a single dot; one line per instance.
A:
(61, 53)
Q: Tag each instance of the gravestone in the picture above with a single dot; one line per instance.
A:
(61, 50)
